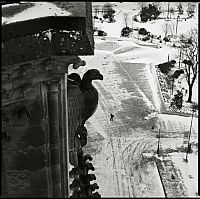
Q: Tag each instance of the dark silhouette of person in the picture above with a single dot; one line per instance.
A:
(111, 117)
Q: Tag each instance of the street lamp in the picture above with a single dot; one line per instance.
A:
(189, 145)
(172, 85)
(179, 63)
(178, 17)
(158, 148)
(168, 10)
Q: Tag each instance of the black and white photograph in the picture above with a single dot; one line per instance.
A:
(99, 99)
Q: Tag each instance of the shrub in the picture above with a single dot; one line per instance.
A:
(142, 31)
(177, 100)
(109, 12)
(177, 73)
(126, 31)
(146, 38)
(166, 39)
(172, 62)
(166, 67)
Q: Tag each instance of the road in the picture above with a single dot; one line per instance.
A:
(117, 146)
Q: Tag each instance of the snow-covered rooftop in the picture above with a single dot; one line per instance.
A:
(31, 10)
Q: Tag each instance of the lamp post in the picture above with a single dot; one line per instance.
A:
(132, 22)
(158, 148)
(179, 63)
(172, 82)
(168, 10)
(188, 147)
(177, 24)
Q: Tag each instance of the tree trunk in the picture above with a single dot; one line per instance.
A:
(110, 19)
(190, 94)
(168, 11)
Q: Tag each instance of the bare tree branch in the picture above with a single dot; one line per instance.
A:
(190, 58)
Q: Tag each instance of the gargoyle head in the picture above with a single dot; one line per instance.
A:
(92, 74)
(74, 77)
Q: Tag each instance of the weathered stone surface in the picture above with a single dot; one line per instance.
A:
(37, 133)
(38, 179)
(18, 180)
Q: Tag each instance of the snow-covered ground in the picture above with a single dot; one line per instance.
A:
(155, 26)
(113, 93)
(189, 171)
(41, 9)
(128, 91)
(131, 52)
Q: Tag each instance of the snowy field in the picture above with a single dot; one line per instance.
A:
(155, 26)
(129, 92)
(125, 93)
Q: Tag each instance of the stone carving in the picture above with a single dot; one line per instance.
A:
(87, 96)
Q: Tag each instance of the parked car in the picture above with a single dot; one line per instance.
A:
(100, 33)
(146, 38)
(136, 28)
(166, 39)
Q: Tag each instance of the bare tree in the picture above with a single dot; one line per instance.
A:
(166, 28)
(96, 11)
(190, 59)
(171, 10)
(172, 26)
(125, 17)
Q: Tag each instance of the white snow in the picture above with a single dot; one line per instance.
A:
(172, 127)
(132, 51)
(155, 27)
(40, 9)
(189, 171)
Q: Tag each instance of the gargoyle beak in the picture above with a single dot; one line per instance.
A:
(101, 77)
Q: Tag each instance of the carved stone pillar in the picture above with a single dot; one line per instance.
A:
(64, 152)
(54, 141)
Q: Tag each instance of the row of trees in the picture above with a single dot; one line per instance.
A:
(168, 28)
(107, 12)
(152, 11)
(148, 12)
(190, 9)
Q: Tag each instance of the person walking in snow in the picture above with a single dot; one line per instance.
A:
(111, 117)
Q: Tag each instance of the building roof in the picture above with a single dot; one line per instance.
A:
(32, 30)
(31, 10)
